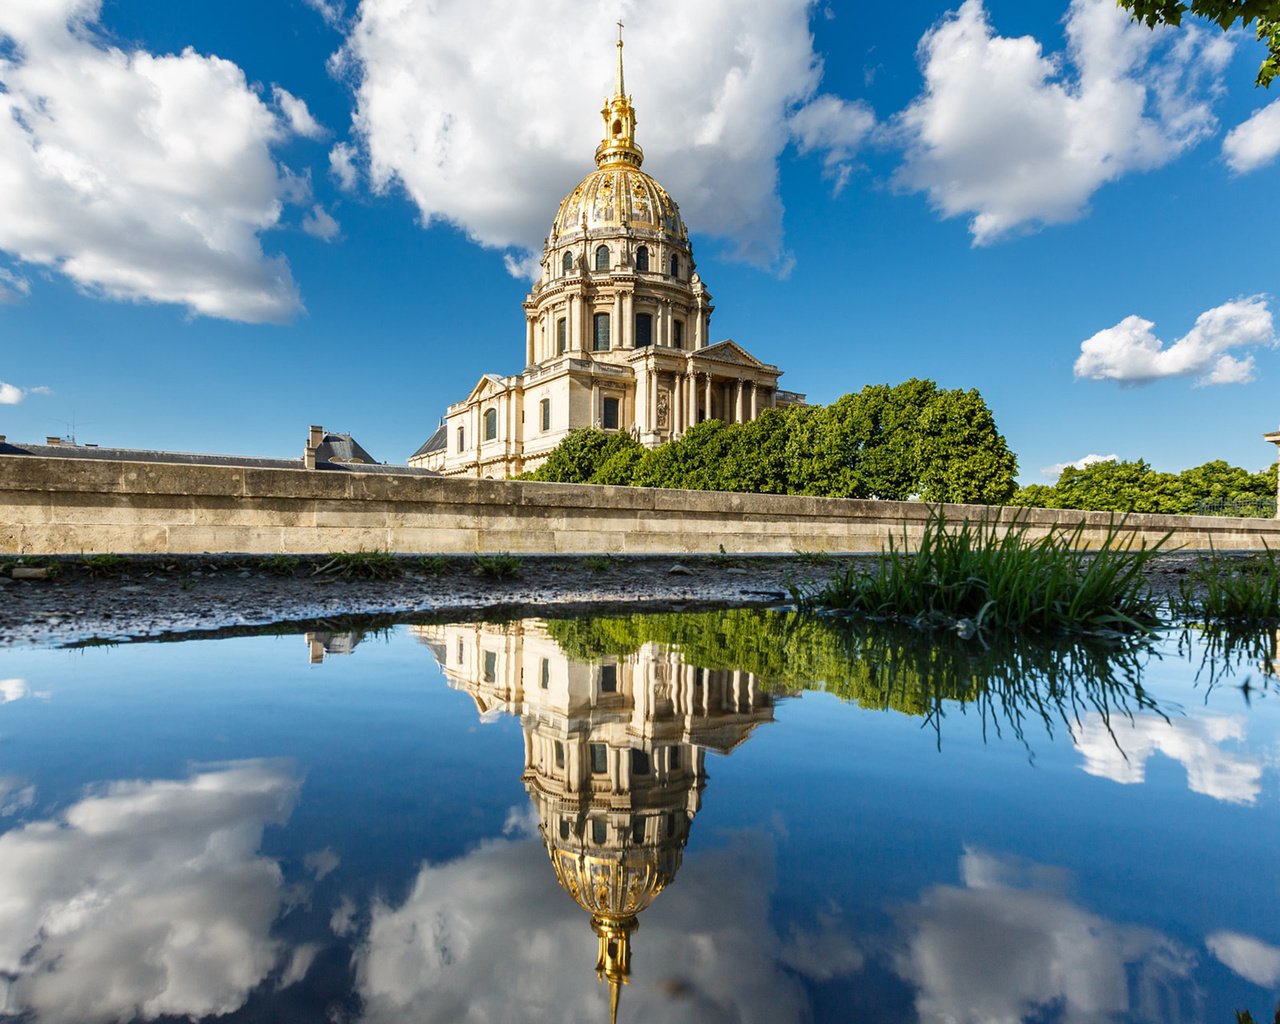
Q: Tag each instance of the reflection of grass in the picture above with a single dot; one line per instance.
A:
(978, 579)
(1245, 1017)
(1234, 591)
(887, 667)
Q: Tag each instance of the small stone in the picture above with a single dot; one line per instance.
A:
(27, 572)
(679, 570)
(132, 589)
(738, 572)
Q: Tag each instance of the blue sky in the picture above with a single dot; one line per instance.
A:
(221, 223)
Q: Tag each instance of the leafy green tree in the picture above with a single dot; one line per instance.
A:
(960, 455)
(577, 458)
(1264, 15)
(694, 462)
(620, 467)
(756, 460)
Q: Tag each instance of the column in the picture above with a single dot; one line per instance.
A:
(651, 413)
(595, 404)
(708, 403)
(755, 400)
(739, 393)
(627, 329)
(691, 393)
(615, 333)
(699, 329)
(528, 340)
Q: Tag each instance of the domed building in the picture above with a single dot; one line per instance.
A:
(617, 330)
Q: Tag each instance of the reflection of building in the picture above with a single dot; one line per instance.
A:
(613, 752)
(326, 642)
(617, 330)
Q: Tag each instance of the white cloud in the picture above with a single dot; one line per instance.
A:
(141, 177)
(1055, 471)
(1006, 948)
(1007, 135)
(837, 126)
(1254, 143)
(1130, 352)
(11, 394)
(707, 954)
(342, 165)
(296, 114)
(1252, 959)
(333, 11)
(13, 287)
(320, 224)
(16, 795)
(1120, 749)
(145, 899)
(448, 120)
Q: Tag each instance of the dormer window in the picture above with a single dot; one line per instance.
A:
(642, 258)
(602, 258)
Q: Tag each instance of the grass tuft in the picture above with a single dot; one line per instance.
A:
(1225, 591)
(104, 565)
(361, 565)
(279, 565)
(978, 578)
(435, 565)
(600, 563)
(498, 566)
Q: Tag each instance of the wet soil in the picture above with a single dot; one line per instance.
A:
(106, 600)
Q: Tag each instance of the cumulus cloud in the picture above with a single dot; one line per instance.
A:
(342, 165)
(835, 126)
(296, 114)
(1055, 471)
(1252, 959)
(1254, 143)
(13, 287)
(1131, 353)
(1119, 750)
(707, 953)
(145, 899)
(447, 120)
(16, 795)
(1014, 138)
(332, 11)
(11, 394)
(320, 224)
(141, 177)
(1005, 948)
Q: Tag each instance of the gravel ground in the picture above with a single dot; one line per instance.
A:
(167, 597)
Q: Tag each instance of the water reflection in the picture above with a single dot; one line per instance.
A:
(614, 758)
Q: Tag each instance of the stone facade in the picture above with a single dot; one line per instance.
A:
(617, 330)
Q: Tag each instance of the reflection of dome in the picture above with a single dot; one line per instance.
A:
(616, 196)
(615, 884)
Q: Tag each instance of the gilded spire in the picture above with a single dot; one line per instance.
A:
(619, 144)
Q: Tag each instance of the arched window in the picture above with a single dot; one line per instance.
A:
(642, 258)
(602, 258)
(490, 424)
(675, 266)
(600, 340)
(567, 262)
(562, 336)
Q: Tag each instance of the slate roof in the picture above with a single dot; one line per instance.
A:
(85, 451)
(434, 443)
(342, 448)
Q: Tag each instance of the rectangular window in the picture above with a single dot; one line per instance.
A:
(644, 329)
(490, 424)
(637, 832)
(545, 411)
(608, 678)
(599, 759)
(544, 678)
(609, 417)
(639, 762)
(673, 758)
(600, 339)
(559, 754)
(490, 666)
(564, 828)
(462, 438)
(462, 652)
(677, 336)
(599, 831)
(562, 335)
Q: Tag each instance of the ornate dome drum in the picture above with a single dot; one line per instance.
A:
(620, 196)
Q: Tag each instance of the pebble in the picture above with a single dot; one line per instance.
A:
(679, 570)
(27, 572)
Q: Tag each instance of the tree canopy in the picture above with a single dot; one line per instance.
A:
(912, 440)
(1264, 15)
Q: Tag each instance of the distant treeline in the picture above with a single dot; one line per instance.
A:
(912, 440)
(1136, 487)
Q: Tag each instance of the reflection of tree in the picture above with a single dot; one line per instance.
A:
(890, 668)
(614, 757)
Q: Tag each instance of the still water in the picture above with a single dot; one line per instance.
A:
(717, 817)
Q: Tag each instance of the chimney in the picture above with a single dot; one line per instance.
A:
(53, 440)
(317, 437)
(314, 440)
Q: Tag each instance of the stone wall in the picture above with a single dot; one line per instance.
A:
(70, 506)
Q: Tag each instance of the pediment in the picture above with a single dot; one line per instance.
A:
(729, 351)
(487, 385)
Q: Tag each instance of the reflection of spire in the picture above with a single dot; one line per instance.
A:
(614, 759)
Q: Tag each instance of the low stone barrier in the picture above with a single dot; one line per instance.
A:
(72, 506)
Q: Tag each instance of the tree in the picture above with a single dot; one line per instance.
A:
(1263, 14)
(577, 458)
(960, 455)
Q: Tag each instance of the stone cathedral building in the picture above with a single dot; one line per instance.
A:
(617, 330)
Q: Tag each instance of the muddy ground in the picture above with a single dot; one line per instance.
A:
(157, 597)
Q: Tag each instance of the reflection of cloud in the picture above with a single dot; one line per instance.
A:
(14, 796)
(15, 689)
(705, 952)
(1252, 959)
(145, 899)
(993, 953)
(1193, 743)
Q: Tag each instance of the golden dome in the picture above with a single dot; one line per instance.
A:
(615, 884)
(618, 196)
